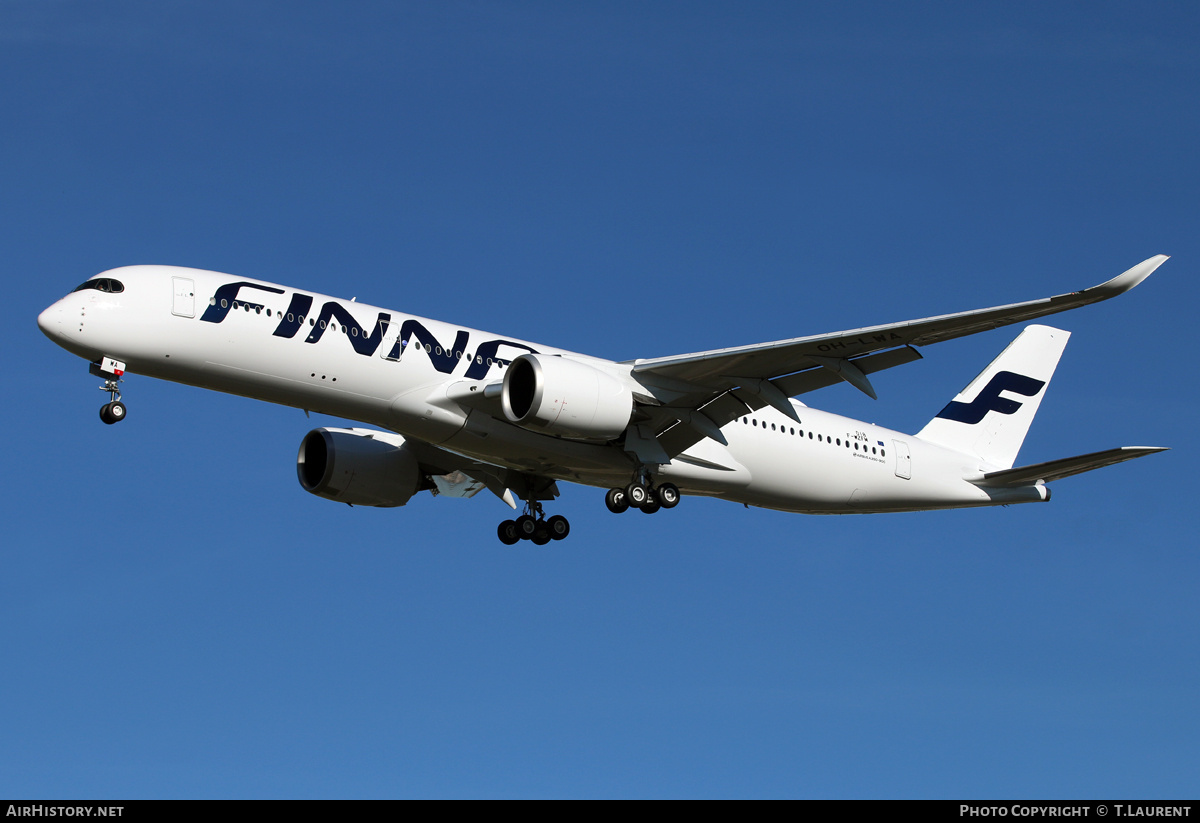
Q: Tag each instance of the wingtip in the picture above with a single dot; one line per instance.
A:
(1126, 280)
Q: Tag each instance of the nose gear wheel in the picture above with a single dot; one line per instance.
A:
(113, 412)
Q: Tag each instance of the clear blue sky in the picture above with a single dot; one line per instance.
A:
(179, 619)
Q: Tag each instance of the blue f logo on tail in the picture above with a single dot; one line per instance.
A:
(990, 400)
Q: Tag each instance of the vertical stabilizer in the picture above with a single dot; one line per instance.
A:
(991, 416)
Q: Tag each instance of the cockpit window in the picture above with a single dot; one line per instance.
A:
(106, 284)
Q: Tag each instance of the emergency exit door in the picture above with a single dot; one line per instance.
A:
(184, 304)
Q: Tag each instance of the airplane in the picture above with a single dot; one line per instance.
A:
(456, 410)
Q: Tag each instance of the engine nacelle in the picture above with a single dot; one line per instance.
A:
(358, 466)
(565, 398)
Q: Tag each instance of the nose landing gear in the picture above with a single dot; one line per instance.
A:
(113, 412)
(111, 370)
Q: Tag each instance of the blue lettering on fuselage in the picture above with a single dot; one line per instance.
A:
(332, 311)
(485, 355)
(225, 297)
(291, 322)
(444, 358)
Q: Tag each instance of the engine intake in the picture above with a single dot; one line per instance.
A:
(358, 466)
(565, 398)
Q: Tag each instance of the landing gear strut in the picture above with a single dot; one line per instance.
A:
(111, 370)
(533, 525)
(641, 496)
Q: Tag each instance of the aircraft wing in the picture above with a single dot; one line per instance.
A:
(456, 476)
(703, 391)
(768, 360)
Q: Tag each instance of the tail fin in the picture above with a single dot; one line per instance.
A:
(982, 422)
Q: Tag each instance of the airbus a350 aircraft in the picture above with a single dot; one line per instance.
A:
(460, 410)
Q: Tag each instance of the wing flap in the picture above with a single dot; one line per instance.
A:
(460, 475)
(731, 405)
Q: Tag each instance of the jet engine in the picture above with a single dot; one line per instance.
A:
(565, 398)
(358, 466)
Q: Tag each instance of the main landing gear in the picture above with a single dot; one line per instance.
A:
(641, 496)
(533, 525)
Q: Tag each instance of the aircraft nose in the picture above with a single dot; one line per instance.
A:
(50, 321)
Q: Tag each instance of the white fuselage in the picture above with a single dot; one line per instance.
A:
(343, 358)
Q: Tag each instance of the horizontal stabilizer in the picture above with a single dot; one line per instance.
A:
(1058, 469)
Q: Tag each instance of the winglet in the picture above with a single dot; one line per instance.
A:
(1127, 280)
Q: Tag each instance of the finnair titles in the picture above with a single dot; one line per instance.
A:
(455, 411)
